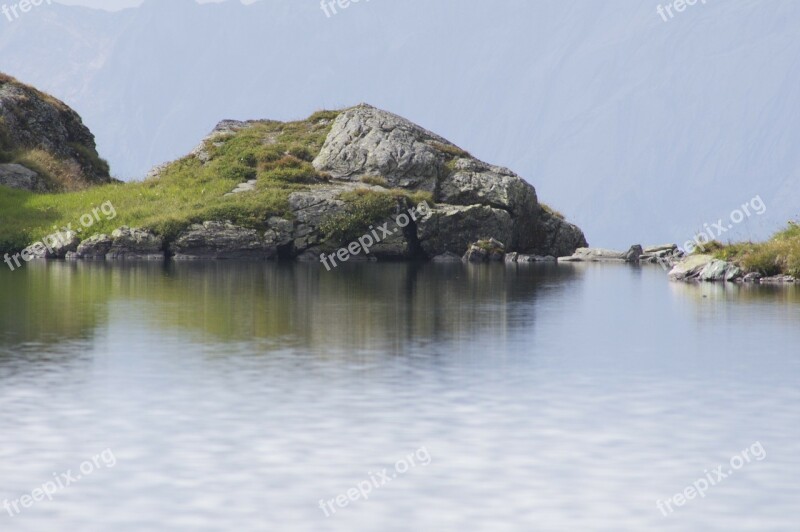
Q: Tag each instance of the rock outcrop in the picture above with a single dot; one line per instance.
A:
(366, 153)
(222, 240)
(706, 268)
(135, 244)
(473, 199)
(36, 127)
(17, 176)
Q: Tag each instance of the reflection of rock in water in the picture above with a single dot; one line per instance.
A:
(391, 307)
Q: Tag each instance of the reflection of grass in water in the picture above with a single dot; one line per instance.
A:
(48, 303)
(356, 307)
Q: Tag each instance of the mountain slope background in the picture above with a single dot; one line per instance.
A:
(637, 129)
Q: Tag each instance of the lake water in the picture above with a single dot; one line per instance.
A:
(528, 397)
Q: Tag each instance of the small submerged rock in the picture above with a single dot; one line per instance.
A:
(604, 255)
(447, 256)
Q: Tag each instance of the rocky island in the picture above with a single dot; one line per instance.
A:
(263, 190)
(307, 190)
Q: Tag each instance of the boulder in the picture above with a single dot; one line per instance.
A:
(446, 257)
(365, 141)
(95, 247)
(453, 228)
(714, 271)
(473, 182)
(604, 255)
(547, 234)
(54, 246)
(753, 277)
(653, 250)
(368, 141)
(280, 232)
(690, 267)
(667, 255)
(135, 244)
(535, 258)
(19, 177)
(221, 240)
(30, 119)
(310, 210)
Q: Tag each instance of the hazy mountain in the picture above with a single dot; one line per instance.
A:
(638, 129)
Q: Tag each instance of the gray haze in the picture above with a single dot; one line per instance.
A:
(639, 130)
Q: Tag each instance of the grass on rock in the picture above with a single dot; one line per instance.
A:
(778, 255)
(277, 155)
(366, 207)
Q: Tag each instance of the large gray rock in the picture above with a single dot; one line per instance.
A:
(310, 210)
(690, 268)
(706, 268)
(453, 228)
(713, 271)
(135, 244)
(365, 141)
(549, 234)
(95, 247)
(221, 240)
(54, 246)
(474, 182)
(667, 255)
(19, 177)
(32, 119)
(280, 232)
(368, 141)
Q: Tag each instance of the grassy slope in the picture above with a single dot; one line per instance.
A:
(778, 255)
(277, 154)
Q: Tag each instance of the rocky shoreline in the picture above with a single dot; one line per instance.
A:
(226, 241)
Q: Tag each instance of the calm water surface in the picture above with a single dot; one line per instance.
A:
(237, 396)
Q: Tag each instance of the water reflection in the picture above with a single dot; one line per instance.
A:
(359, 306)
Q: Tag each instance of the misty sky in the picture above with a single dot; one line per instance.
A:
(639, 129)
(113, 5)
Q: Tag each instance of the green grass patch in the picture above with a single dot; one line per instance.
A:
(276, 154)
(778, 255)
(375, 180)
(365, 207)
(551, 211)
(450, 150)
